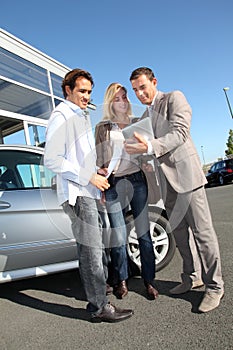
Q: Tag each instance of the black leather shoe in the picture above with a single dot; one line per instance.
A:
(121, 290)
(151, 291)
(111, 313)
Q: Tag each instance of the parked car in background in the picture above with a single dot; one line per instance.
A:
(220, 172)
(35, 234)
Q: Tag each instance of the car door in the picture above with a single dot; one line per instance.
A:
(211, 174)
(216, 172)
(34, 230)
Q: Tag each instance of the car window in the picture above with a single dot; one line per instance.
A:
(213, 168)
(230, 162)
(7, 178)
(34, 175)
(3, 168)
(23, 170)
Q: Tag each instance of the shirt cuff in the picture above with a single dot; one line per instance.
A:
(150, 149)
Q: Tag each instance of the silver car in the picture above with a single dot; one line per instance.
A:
(35, 234)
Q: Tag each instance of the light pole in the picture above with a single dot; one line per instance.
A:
(228, 102)
(202, 151)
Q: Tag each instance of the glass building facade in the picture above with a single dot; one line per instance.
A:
(30, 87)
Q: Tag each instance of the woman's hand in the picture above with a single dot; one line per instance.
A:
(103, 171)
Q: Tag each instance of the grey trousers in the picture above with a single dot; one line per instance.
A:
(191, 223)
(92, 259)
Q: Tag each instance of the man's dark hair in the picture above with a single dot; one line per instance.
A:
(142, 71)
(70, 79)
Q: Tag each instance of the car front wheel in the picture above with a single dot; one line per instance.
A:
(221, 180)
(163, 243)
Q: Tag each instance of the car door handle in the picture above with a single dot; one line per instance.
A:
(4, 205)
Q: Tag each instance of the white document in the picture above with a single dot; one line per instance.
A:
(117, 140)
(142, 127)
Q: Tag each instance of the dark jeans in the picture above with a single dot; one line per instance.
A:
(124, 191)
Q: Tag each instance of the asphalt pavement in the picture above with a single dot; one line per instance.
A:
(49, 312)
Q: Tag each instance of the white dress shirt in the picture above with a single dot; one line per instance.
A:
(150, 149)
(70, 152)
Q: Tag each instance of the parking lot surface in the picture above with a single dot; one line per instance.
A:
(49, 312)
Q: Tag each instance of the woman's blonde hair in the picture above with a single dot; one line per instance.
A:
(110, 93)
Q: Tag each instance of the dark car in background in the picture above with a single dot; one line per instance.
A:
(220, 172)
(35, 233)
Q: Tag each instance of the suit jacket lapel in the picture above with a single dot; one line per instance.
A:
(156, 111)
(155, 114)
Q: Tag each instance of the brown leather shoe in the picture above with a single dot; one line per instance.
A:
(151, 291)
(121, 290)
(111, 313)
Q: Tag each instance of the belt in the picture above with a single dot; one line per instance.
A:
(135, 176)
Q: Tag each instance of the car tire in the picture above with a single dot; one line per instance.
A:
(221, 180)
(163, 243)
(207, 185)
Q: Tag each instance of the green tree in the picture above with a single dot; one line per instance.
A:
(229, 144)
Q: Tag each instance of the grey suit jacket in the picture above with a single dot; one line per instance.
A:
(173, 147)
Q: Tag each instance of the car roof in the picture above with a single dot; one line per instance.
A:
(226, 160)
(26, 148)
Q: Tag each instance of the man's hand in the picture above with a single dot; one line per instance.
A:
(137, 147)
(100, 182)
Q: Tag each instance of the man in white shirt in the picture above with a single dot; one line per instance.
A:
(70, 153)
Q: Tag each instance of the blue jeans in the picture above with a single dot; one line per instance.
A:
(124, 191)
(86, 229)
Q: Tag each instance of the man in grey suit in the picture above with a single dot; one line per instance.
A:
(182, 186)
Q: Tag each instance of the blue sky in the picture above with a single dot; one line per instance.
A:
(188, 44)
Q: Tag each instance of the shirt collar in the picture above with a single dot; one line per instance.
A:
(76, 109)
(153, 101)
(150, 107)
